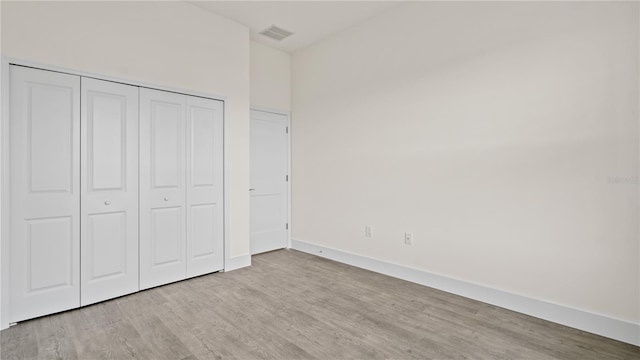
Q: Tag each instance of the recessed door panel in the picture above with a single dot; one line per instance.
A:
(45, 198)
(166, 144)
(50, 131)
(109, 182)
(269, 197)
(107, 244)
(205, 221)
(162, 189)
(166, 230)
(50, 242)
(106, 122)
(203, 141)
(203, 230)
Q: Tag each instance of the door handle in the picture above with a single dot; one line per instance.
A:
(107, 202)
(252, 189)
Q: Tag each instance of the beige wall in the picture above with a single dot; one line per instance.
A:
(270, 77)
(172, 44)
(503, 135)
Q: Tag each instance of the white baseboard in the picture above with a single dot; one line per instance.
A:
(237, 262)
(583, 320)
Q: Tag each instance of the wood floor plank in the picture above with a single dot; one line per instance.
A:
(55, 338)
(160, 339)
(292, 305)
(19, 342)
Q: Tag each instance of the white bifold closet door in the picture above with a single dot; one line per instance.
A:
(205, 194)
(45, 192)
(181, 195)
(109, 196)
(162, 188)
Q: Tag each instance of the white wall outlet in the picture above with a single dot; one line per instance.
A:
(408, 238)
(368, 231)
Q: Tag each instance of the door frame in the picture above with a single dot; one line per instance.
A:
(287, 114)
(6, 62)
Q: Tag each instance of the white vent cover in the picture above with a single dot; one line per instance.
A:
(276, 33)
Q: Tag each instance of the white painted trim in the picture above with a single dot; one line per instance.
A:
(269, 110)
(289, 202)
(237, 262)
(28, 63)
(584, 320)
(225, 186)
(4, 198)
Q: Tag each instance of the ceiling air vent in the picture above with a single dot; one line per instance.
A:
(276, 33)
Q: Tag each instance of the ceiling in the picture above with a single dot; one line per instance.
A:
(310, 21)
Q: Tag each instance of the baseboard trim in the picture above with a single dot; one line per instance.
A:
(237, 262)
(621, 330)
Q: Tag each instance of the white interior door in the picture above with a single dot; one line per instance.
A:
(269, 195)
(109, 197)
(205, 196)
(162, 187)
(45, 192)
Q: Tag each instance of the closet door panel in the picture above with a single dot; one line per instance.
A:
(45, 197)
(162, 188)
(105, 242)
(205, 221)
(166, 232)
(166, 145)
(109, 181)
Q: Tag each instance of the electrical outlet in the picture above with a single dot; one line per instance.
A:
(408, 238)
(368, 231)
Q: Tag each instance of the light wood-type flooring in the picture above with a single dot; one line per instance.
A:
(291, 305)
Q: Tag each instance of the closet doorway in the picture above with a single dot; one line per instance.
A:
(108, 188)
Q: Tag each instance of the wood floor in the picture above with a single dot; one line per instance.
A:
(290, 305)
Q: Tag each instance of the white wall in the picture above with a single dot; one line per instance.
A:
(504, 135)
(270, 77)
